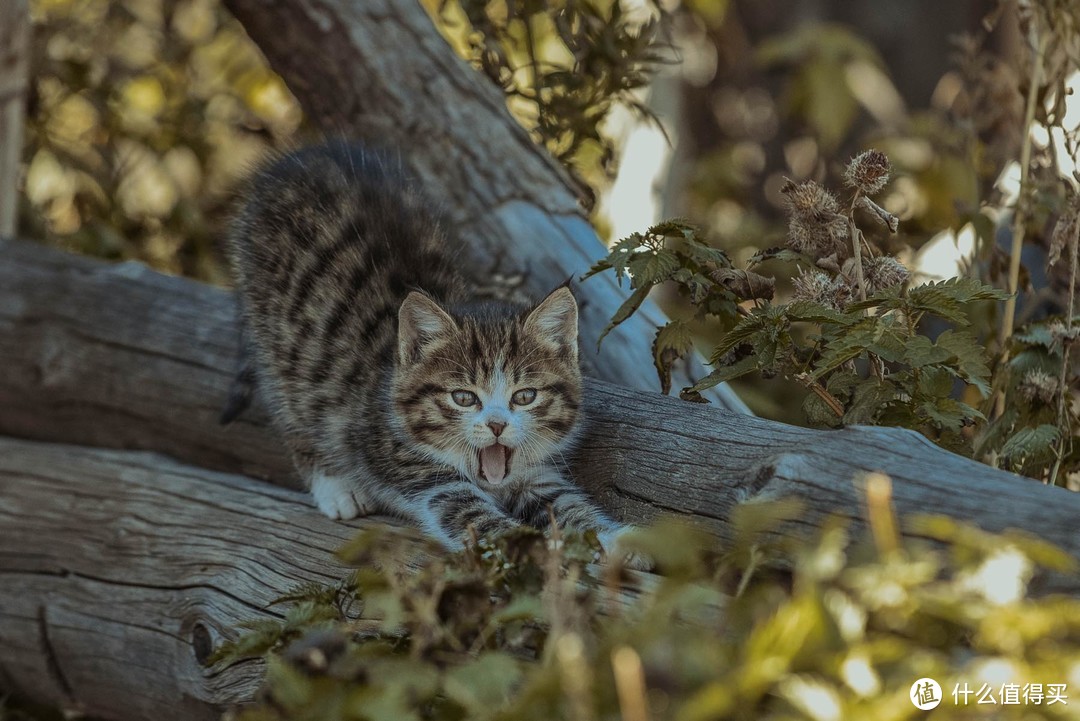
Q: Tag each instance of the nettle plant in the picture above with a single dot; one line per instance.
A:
(851, 332)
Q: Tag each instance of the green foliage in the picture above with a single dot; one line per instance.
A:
(563, 66)
(865, 361)
(512, 629)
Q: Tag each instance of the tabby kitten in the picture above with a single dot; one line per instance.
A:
(393, 399)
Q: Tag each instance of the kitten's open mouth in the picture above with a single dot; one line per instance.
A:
(495, 462)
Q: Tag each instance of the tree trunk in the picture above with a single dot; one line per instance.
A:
(117, 355)
(378, 70)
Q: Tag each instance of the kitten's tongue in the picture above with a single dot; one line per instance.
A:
(493, 461)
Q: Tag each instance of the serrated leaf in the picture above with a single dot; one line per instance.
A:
(652, 268)
(673, 228)
(1030, 441)
(618, 257)
(695, 283)
(970, 358)
(949, 414)
(936, 382)
(701, 253)
(848, 345)
(722, 375)
(625, 311)
(920, 351)
(811, 312)
(868, 399)
(1038, 335)
(746, 328)
(946, 298)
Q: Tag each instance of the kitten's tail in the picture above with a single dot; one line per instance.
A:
(242, 389)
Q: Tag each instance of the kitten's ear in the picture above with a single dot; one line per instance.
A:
(421, 324)
(555, 321)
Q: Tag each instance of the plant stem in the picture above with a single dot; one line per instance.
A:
(1063, 389)
(1019, 217)
(853, 231)
(1009, 318)
(819, 390)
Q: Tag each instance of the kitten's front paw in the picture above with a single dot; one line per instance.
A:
(339, 498)
(613, 549)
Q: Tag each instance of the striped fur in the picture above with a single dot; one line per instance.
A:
(363, 341)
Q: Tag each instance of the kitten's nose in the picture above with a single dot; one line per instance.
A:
(496, 428)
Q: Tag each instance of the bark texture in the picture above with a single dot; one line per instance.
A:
(120, 573)
(378, 70)
(120, 356)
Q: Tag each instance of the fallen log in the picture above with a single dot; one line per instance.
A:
(120, 573)
(379, 70)
(120, 356)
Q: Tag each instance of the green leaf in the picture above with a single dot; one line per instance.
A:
(746, 328)
(695, 283)
(970, 358)
(1028, 442)
(701, 253)
(652, 268)
(949, 414)
(618, 257)
(852, 342)
(947, 298)
(936, 382)
(727, 373)
(811, 312)
(867, 400)
(920, 351)
(625, 311)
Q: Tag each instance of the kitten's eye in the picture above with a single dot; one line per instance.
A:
(524, 397)
(464, 398)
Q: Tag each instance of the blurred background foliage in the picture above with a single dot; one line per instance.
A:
(142, 116)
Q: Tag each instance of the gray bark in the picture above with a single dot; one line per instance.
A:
(120, 572)
(378, 70)
(120, 356)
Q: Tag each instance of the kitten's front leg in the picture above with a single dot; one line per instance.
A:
(447, 510)
(571, 508)
(340, 497)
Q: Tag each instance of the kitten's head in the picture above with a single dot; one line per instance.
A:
(492, 392)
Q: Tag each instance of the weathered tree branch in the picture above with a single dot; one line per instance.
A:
(379, 70)
(120, 356)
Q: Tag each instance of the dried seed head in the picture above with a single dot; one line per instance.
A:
(809, 201)
(884, 272)
(818, 287)
(816, 227)
(1038, 387)
(868, 171)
